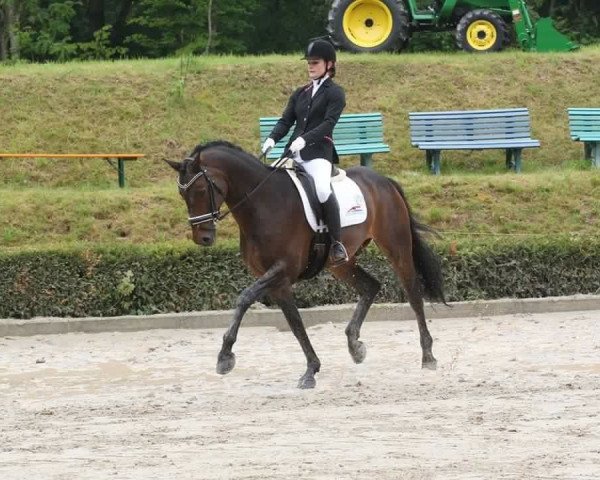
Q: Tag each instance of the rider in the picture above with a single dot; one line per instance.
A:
(315, 109)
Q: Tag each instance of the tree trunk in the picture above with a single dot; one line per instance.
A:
(96, 14)
(12, 16)
(118, 31)
(3, 36)
(9, 21)
(210, 29)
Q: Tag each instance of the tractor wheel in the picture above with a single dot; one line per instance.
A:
(482, 31)
(369, 25)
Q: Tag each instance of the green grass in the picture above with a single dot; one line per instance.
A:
(163, 108)
(459, 206)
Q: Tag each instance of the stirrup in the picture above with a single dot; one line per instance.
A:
(337, 261)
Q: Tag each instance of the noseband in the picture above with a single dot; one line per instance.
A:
(215, 215)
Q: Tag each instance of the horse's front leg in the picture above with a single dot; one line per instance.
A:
(226, 359)
(284, 298)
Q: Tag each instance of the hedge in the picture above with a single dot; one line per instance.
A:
(114, 281)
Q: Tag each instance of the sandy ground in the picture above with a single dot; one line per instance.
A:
(513, 397)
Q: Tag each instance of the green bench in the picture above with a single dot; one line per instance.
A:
(507, 129)
(355, 134)
(584, 124)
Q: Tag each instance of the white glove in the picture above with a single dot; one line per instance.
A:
(297, 145)
(268, 145)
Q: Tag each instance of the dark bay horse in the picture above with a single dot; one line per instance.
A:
(275, 240)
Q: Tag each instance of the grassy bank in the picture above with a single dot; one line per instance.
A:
(459, 206)
(165, 107)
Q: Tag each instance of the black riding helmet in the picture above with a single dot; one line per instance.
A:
(320, 49)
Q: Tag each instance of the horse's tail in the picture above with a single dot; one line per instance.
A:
(427, 263)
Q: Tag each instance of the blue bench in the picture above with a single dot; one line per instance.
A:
(507, 129)
(584, 124)
(355, 134)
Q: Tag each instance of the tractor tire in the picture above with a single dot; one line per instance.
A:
(369, 25)
(482, 31)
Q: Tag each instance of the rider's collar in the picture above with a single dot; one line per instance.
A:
(318, 82)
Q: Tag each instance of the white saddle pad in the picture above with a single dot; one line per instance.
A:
(353, 208)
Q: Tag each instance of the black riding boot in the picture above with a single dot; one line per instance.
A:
(338, 254)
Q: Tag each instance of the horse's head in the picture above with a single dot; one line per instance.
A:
(203, 198)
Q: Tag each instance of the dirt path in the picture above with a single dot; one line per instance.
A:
(513, 397)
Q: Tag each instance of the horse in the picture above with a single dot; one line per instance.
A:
(275, 240)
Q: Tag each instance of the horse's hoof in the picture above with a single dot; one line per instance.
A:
(430, 364)
(358, 352)
(307, 381)
(225, 363)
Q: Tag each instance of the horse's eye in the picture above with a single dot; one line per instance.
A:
(198, 193)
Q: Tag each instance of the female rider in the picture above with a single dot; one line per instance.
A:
(315, 109)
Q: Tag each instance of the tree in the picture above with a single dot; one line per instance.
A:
(9, 22)
(46, 30)
(120, 25)
(163, 27)
(210, 27)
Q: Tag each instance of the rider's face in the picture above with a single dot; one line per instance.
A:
(316, 68)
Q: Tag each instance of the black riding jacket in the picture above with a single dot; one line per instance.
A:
(315, 117)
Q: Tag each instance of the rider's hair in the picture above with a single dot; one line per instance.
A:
(331, 71)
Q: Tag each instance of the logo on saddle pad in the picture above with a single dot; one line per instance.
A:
(353, 208)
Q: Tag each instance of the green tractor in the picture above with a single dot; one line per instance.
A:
(478, 25)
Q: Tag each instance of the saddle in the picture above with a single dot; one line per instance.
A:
(321, 241)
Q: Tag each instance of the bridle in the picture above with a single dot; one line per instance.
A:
(215, 215)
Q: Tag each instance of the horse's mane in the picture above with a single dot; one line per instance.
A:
(235, 149)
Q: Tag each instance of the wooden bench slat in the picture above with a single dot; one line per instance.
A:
(469, 122)
(583, 111)
(453, 130)
(508, 112)
(587, 117)
(347, 138)
(477, 145)
(577, 135)
(344, 118)
(364, 148)
(356, 150)
(267, 128)
(368, 134)
(420, 140)
(432, 122)
(585, 127)
(374, 129)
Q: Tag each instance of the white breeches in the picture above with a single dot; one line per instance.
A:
(320, 170)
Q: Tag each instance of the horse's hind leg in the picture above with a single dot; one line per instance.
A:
(402, 261)
(367, 287)
(412, 286)
(226, 359)
(284, 298)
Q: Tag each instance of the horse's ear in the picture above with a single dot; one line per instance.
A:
(175, 165)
